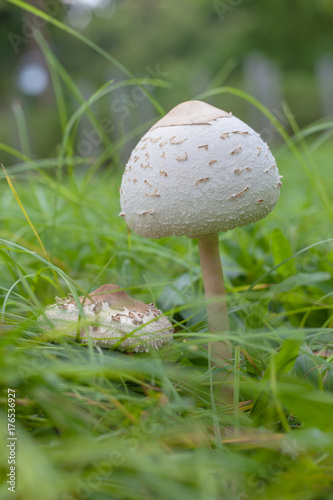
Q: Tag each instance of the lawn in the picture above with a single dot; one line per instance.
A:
(96, 423)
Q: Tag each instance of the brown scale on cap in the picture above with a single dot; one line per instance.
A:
(146, 212)
(239, 132)
(175, 142)
(153, 195)
(238, 194)
(115, 298)
(225, 135)
(204, 179)
(235, 151)
(191, 113)
(62, 303)
(182, 158)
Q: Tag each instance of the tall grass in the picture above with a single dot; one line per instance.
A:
(100, 424)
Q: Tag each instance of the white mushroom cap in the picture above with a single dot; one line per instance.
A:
(110, 315)
(199, 170)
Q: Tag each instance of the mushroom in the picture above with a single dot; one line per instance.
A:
(111, 315)
(207, 172)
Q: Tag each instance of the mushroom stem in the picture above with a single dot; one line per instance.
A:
(212, 274)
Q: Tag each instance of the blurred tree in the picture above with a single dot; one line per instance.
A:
(187, 41)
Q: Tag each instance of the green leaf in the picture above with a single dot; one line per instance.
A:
(306, 368)
(313, 407)
(281, 364)
(281, 251)
(255, 320)
(328, 383)
(286, 357)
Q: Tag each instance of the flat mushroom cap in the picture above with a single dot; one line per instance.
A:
(199, 170)
(111, 314)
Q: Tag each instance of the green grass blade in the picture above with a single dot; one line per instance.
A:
(22, 128)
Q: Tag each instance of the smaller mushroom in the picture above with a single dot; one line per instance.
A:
(111, 315)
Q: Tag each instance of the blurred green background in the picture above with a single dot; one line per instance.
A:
(276, 50)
